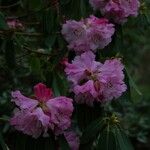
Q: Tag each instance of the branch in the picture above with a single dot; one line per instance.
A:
(6, 32)
(9, 6)
(35, 51)
(4, 120)
(28, 34)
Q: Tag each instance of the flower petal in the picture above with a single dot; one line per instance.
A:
(22, 101)
(42, 93)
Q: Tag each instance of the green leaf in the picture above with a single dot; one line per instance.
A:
(24, 142)
(87, 114)
(55, 86)
(3, 24)
(32, 5)
(59, 84)
(132, 83)
(76, 13)
(10, 54)
(106, 140)
(50, 40)
(49, 21)
(20, 142)
(64, 2)
(2, 143)
(113, 138)
(63, 143)
(92, 131)
(35, 64)
(83, 7)
(122, 139)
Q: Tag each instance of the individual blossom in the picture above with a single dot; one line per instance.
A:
(35, 116)
(88, 34)
(99, 33)
(72, 139)
(14, 24)
(117, 10)
(94, 81)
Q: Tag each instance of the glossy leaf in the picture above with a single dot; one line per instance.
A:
(113, 138)
(133, 84)
(107, 140)
(87, 114)
(10, 54)
(63, 143)
(3, 24)
(59, 84)
(92, 131)
(35, 65)
(2, 143)
(122, 139)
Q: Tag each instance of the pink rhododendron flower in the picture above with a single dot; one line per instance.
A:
(14, 24)
(35, 116)
(118, 10)
(72, 139)
(93, 81)
(88, 34)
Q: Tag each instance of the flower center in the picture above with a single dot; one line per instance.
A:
(43, 106)
(96, 38)
(78, 32)
(109, 85)
(91, 75)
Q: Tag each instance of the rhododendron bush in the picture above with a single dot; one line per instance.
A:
(65, 77)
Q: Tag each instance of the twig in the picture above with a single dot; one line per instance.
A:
(20, 33)
(5, 32)
(34, 51)
(32, 23)
(28, 34)
(9, 6)
(5, 120)
(33, 12)
(55, 4)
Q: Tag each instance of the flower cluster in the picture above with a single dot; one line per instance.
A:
(88, 34)
(118, 10)
(93, 81)
(35, 116)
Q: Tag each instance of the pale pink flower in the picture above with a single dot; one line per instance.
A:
(93, 81)
(81, 66)
(14, 24)
(117, 10)
(99, 33)
(36, 116)
(89, 34)
(73, 30)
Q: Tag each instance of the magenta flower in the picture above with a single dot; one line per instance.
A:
(88, 34)
(118, 10)
(72, 139)
(36, 116)
(93, 81)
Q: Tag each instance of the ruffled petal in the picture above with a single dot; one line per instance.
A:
(72, 139)
(31, 123)
(22, 101)
(60, 111)
(42, 93)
